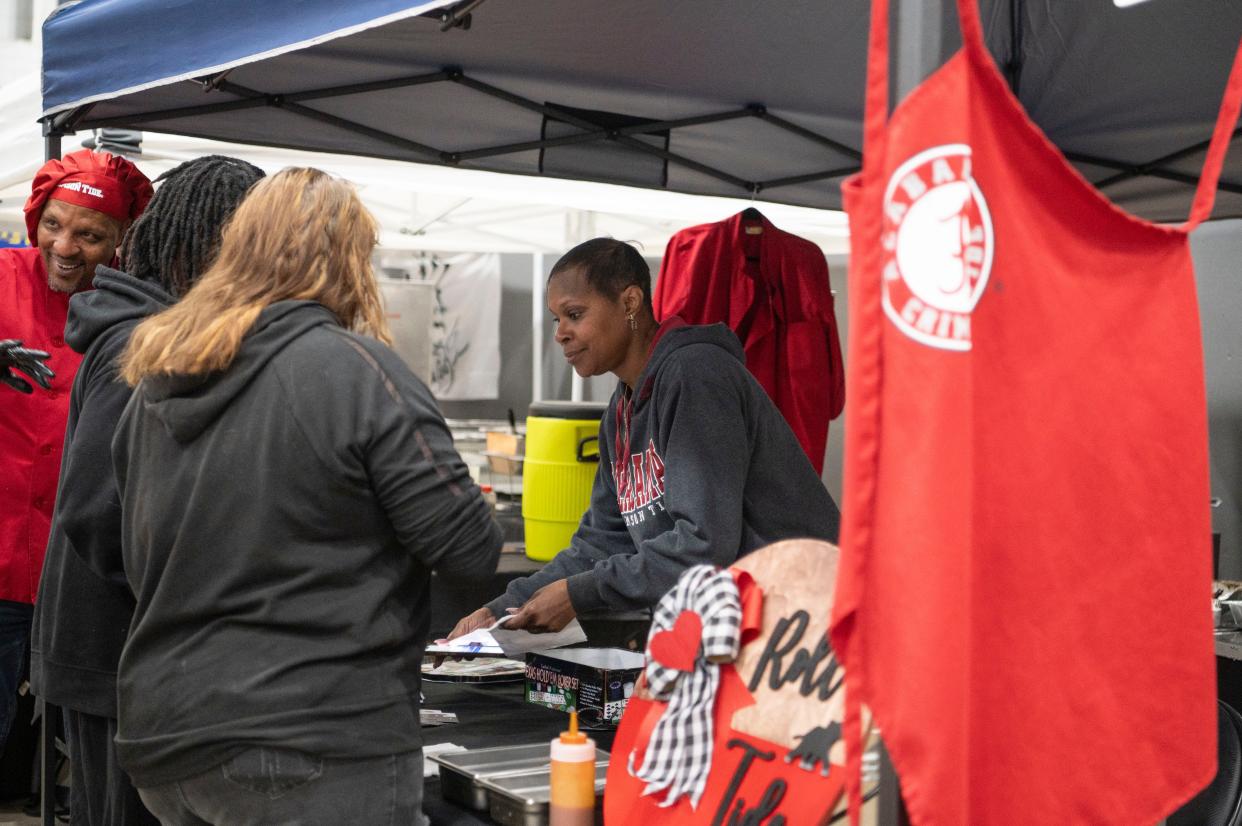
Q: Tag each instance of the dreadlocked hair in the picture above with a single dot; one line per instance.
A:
(298, 235)
(175, 238)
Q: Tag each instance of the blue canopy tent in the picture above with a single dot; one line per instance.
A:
(730, 97)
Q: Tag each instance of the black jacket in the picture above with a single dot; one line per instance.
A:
(84, 605)
(280, 523)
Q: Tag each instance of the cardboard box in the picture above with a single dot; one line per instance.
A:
(505, 442)
(504, 463)
(597, 682)
(505, 451)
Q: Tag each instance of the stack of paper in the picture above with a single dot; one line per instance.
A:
(495, 640)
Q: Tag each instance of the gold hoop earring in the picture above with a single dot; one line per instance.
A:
(633, 323)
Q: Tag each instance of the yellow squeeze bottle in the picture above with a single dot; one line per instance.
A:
(572, 801)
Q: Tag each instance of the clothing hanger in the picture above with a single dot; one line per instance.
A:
(752, 214)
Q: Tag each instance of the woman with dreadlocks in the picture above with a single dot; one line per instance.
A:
(85, 605)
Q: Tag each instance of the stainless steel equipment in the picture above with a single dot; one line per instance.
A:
(511, 783)
(522, 799)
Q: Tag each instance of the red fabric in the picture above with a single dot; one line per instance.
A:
(1022, 464)
(781, 308)
(799, 796)
(95, 180)
(32, 428)
(678, 647)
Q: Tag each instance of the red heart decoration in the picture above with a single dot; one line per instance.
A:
(678, 647)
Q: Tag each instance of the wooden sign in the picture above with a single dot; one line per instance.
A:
(777, 756)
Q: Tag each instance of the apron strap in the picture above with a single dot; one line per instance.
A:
(875, 105)
(1226, 119)
(875, 118)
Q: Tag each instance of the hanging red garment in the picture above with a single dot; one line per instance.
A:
(1025, 569)
(772, 289)
(32, 427)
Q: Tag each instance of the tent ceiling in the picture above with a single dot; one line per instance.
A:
(434, 207)
(729, 97)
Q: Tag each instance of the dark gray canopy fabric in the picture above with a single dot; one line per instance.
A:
(727, 97)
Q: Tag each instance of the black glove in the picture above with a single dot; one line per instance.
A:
(13, 356)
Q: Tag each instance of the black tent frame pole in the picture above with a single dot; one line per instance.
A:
(628, 136)
(601, 134)
(920, 43)
(47, 711)
(54, 129)
(1013, 68)
(49, 718)
(1129, 170)
(1152, 167)
(612, 134)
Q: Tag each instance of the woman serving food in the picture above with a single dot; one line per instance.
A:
(697, 466)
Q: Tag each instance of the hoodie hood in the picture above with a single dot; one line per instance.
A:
(188, 404)
(117, 297)
(676, 337)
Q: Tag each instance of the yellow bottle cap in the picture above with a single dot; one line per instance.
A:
(573, 735)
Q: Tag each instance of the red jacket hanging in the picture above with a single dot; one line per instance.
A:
(772, 289)
(1027, 450)
(32, 427)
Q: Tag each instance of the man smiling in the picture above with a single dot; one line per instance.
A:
(78, 210)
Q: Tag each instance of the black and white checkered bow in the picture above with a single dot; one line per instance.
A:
(679, 754)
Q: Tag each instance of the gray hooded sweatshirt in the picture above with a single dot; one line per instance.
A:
(280, 521)
(696, 467)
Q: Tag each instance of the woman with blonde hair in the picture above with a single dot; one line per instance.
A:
(287, 485)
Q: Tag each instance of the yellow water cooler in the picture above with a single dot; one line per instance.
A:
(562, 455)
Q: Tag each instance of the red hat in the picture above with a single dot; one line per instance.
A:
(95, 180)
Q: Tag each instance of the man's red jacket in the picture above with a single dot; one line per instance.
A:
(772, 289)
(32, 427)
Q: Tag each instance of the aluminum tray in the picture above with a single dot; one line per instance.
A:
(462, 772)
(521, 799)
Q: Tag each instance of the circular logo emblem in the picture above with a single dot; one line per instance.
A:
(938, 243)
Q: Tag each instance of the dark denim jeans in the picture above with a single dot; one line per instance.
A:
(280, 787)
(15, 618)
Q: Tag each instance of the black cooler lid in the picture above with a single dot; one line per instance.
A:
(568, 410)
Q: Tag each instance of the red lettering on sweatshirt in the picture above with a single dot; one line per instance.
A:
(655, 470)
(639, 479)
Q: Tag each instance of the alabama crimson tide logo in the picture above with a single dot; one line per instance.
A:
(640, 485)
(938, 247)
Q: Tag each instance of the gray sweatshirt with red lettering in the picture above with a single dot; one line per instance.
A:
(696, 467)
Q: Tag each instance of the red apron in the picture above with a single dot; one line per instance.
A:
(32, 427)
(1025, 573)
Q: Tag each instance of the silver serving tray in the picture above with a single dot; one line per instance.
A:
(521, 799)
(462, 773)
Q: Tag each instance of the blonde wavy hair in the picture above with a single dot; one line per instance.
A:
(299, 234)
